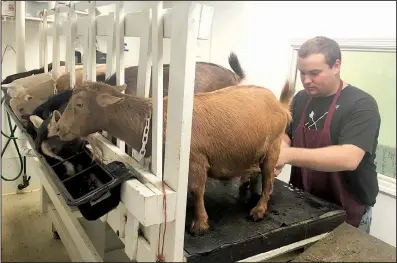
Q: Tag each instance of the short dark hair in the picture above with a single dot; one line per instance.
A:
(321, 45)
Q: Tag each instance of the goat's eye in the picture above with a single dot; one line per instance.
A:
(79, 105)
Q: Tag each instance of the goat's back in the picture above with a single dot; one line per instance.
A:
(241, 120)
(208, 77)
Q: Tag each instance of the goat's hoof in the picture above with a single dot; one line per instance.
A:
(198, 228)
(257, 214)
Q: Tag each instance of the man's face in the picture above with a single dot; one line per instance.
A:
(317, 77)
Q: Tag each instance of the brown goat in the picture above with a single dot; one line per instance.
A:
(27, 99)
(227, 140)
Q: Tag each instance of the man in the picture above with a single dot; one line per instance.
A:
(332, 139)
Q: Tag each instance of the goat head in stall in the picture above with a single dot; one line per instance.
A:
(25, 100)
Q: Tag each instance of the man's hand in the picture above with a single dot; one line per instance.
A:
(282, 160)
(285, 143)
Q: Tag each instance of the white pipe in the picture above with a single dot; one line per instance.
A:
(20, 36)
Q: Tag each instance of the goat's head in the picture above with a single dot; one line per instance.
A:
(86, 110)
(26, 101)
(49, 143)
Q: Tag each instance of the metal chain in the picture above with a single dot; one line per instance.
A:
(54, 82)
(145, 136)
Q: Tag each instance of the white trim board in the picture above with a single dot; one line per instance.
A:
(364, 44)
(387, 184)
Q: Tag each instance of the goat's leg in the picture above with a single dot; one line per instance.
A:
(197, 179)
(244, 188)
(267, 166)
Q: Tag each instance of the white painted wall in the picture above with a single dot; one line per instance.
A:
(258, 32)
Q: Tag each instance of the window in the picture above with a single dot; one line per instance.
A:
(372, 69)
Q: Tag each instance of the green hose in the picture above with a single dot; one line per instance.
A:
(13, 138)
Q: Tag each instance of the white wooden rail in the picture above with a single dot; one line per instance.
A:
(141, 205)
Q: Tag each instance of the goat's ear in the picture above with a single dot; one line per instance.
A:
(91, 86)
(56, 115)
(36, 120)
(121, 88)
(104, 100)
(14, 90)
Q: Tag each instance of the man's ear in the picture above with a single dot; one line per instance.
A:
(336, 66)
(104, 100)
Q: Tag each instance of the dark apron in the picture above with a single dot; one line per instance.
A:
(325, 185)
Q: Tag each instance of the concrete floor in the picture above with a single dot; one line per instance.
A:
(26, 233)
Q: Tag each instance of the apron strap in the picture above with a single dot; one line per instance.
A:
(332, 108)
(302, 120)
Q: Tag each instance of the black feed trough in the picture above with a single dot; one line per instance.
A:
(94, 188)
(293, 215)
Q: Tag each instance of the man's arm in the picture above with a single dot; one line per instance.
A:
(286, 141)
(358, 134)
(326, 159)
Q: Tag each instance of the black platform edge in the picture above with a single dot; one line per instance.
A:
(275, 239)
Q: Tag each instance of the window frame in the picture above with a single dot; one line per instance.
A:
(387, 184)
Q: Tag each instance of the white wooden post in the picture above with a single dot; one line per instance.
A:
(41, 42)
(45, 41)
(110, 57)
(143, 82)
(110, 46)
(144, 63)
(91, 52)
(20, 35)
(55, 41)
(119, 22)
(86, 54)
(71, 44)
(185, 21)
(157, 88)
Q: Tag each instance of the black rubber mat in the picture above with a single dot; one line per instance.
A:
(293, 216)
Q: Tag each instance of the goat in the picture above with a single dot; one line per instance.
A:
(51, 146)
(13, 77)
(227, 140)
(20, 84)
(49, 143)
(25, 100)
(209, 77)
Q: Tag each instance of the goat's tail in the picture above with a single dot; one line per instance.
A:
(235, 65)
(287, 93)
(286, 97)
